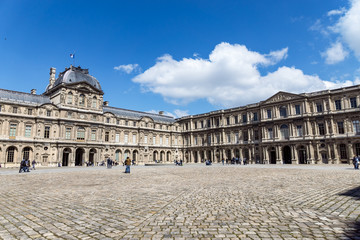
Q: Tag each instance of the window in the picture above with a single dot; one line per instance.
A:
(47, 132)
(69, 99)
(218, 137)
(134, 138)
(245, 136)
(126, 122)
(161, 140)
(117, 122)
(319, 107)
(356, 126)
(117, 137)
(29, 111)
(202, 124)
(10, 155)
(26, 153)
(45, 159)
(338, 104)
(227, 121)
(145, 139)
(69, 114)
(283, 112)
(107, 120)
(270, 133)
(106, 136)
(299, 130)
(256, 135)
(15, 109)
(28, 131)
(0, 108)
(343, 153)
(167, 141)
(82, 100)
(297, 110)
(48, 113)
(321, 129)
(244, 118)
(94, 117)
(353, 103)
(12, 129)
(80, 134)
(126, 138)
(236, 119)
(209, 139)
(236, 137)
(284, 131)
(94, 102)
(68, 133)
(341, 129)
(134, 124)
(93, 134)
(196, 141)
(268, 113)
(228, 138)
(154, 140)
(255, 116)
(208, 123)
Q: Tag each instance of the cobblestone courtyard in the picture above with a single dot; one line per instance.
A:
(189, 202)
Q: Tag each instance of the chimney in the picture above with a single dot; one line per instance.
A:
(33, 91)
(106, 103)
(161, 112)
(52, 77)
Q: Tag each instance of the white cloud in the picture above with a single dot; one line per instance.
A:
(129, 68)
(336, 12)
(177, 113)
(348, 26)
(335, 54)
(228, 78)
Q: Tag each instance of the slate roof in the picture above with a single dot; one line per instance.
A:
(23, 98)
(137, 115)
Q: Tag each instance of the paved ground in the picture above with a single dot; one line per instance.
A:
(189, 202)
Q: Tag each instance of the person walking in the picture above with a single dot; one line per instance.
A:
(127, 164)
(33, 164)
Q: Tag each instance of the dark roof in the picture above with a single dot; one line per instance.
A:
(138, 115)
(21, 97)
(76, 75)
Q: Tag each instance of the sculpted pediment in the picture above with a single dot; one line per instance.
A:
(85, 88)
(282, 96)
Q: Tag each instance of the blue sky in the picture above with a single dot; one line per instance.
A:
(183, 57)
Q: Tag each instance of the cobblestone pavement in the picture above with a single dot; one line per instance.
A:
(189, 202)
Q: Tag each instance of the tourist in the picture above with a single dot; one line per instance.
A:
(33, 164)
(109, 163)
(223, 160)
(127, 164)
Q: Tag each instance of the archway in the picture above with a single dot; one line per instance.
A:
(65, 159)
(168, 156)
(272, 156)
(10, 156)
(228, 154)
(92, 156)
(79, 157)
(302, 155)
(196, 157)
(26, 153)
(202, 156)
(162, 156)
(286, 155)
(155, 156)
(324, 157)
(118, 155)
(135, 156)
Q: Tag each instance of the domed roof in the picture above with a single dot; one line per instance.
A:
(76, 75)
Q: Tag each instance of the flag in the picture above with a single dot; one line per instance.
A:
(72, 55)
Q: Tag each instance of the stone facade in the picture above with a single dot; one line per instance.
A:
(71, 125)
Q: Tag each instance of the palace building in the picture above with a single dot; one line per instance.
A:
(70, 124)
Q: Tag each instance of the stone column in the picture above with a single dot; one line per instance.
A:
(350, 152)
(336, 153)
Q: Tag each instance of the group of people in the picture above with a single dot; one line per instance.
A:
(25, 165)
(234, 161)
(178, 163)
(356, 161)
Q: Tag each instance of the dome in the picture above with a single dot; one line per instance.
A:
(76, 75)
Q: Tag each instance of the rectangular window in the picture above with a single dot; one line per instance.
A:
(161, 140)
(107, 120)
(15, 109)
(283, 112)
(353, 103)
(319, 107)
(255, 116)
(202, 124)
(45, 159)
(68, 133)
(93, 134)
(297, 110)
(134, 138)
(270, 133)
(321, 129)
(117, 121)
(145, 139)
(338, 104)
(208, 123)
(106, 136)
(13, 130)
(154, 140)
(229, 138)
(28, 131)
(196, 141)
(356, 126)
(48, 113)
(0, 108)
(236, 119)
(228, 121)
(256, 135)
(47, 132)
(69, 115)
(176, 141)
(80, 133)
(126, 123)
(167, 141)
(134, 124)
(341, 129)
(218, 138)
(29, 111)
(244, 118)
(209, 139)
(117, 137)
(269, 113)
(299, 130)
(236, 137)
(245, 135)
(126, 138)
(343, 153)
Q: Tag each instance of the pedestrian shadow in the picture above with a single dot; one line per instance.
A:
(353, 230)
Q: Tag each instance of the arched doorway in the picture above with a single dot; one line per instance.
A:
(272, 156)
(118, 155)
(162, 156)
(286, 155)
(92, 156)
(65, 159)
(196, 157)
(26, 153)
(127, 154)
(302, 155)
(202, 156)
(228, 154)
(209, 155)
(155, 156)
(186, 156)
(246, 154)
(168, 156)
(135, 156)
(79, 157)
(10, 156)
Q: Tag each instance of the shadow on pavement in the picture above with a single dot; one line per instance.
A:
(353, 232)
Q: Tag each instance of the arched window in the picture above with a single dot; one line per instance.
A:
(284, 130)
(80, 133)
(69, 98)
(82, 100)
(93, 103)
(10, 154)
(26, 153)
